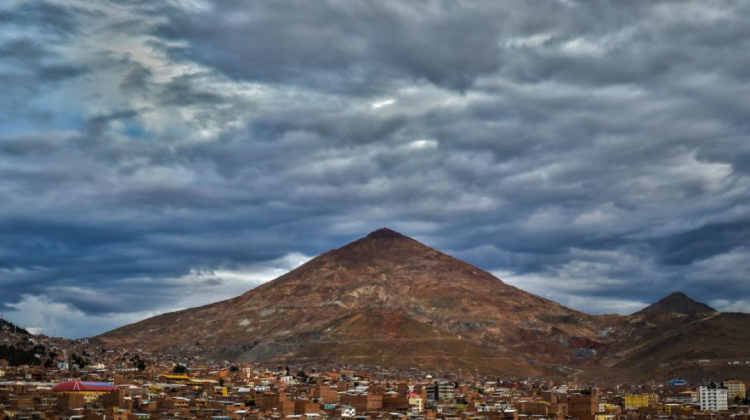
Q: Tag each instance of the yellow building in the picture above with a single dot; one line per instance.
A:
(606, 408)
(186, 380)
(177, 379)
(416, 403)
(672, 409)
(636, 401)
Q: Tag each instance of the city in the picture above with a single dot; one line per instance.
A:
(71, 379)
(374, 210)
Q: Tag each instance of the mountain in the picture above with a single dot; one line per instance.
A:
(698, 346)
(385, 298)
(389, 300)
(679, 334)
(678, 303)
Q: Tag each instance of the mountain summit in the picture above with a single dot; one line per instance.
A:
(679, 303)
(385, 233)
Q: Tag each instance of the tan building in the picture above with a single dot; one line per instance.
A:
(416, 403)
(68, 402)
(583, 407)
(363, 402)
(327, 394)
(735, 389)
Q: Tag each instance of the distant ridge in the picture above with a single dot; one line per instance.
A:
(679, 303)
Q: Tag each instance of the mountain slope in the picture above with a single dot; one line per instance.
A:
(384, 279)
(679, 334)
(697, 346)
(387, 299)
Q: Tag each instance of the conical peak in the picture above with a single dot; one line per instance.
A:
(387, 240)
(677, 302)
(385, 233)
(679, 297)
(382, 247)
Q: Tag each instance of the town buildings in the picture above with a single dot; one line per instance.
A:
(117, 384)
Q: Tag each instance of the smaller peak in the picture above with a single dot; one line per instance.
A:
(384, 233)
(677, 302)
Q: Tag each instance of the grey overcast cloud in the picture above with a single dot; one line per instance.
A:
(161, 155)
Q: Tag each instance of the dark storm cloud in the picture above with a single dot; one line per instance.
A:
(704, 242)
(47, 17)
(160, 156)
(30, 68)
(32, 61)
(184, 91)
(329, 44)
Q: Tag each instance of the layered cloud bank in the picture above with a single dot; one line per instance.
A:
(154, 157)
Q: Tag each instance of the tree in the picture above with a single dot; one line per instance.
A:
(234, 368)
(179, 369)
(141, 365)
(79, 361)
(18, 356)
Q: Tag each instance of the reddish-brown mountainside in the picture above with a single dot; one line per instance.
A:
(384, 298)
(387, 299)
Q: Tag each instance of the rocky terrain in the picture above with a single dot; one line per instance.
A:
(387, 299)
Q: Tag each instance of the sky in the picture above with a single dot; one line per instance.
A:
(156, 156)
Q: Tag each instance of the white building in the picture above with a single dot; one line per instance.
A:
(287, 380)
(712, 398)
(347, 411)
(504, 406)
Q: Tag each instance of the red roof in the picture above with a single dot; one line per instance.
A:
(73, 386)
